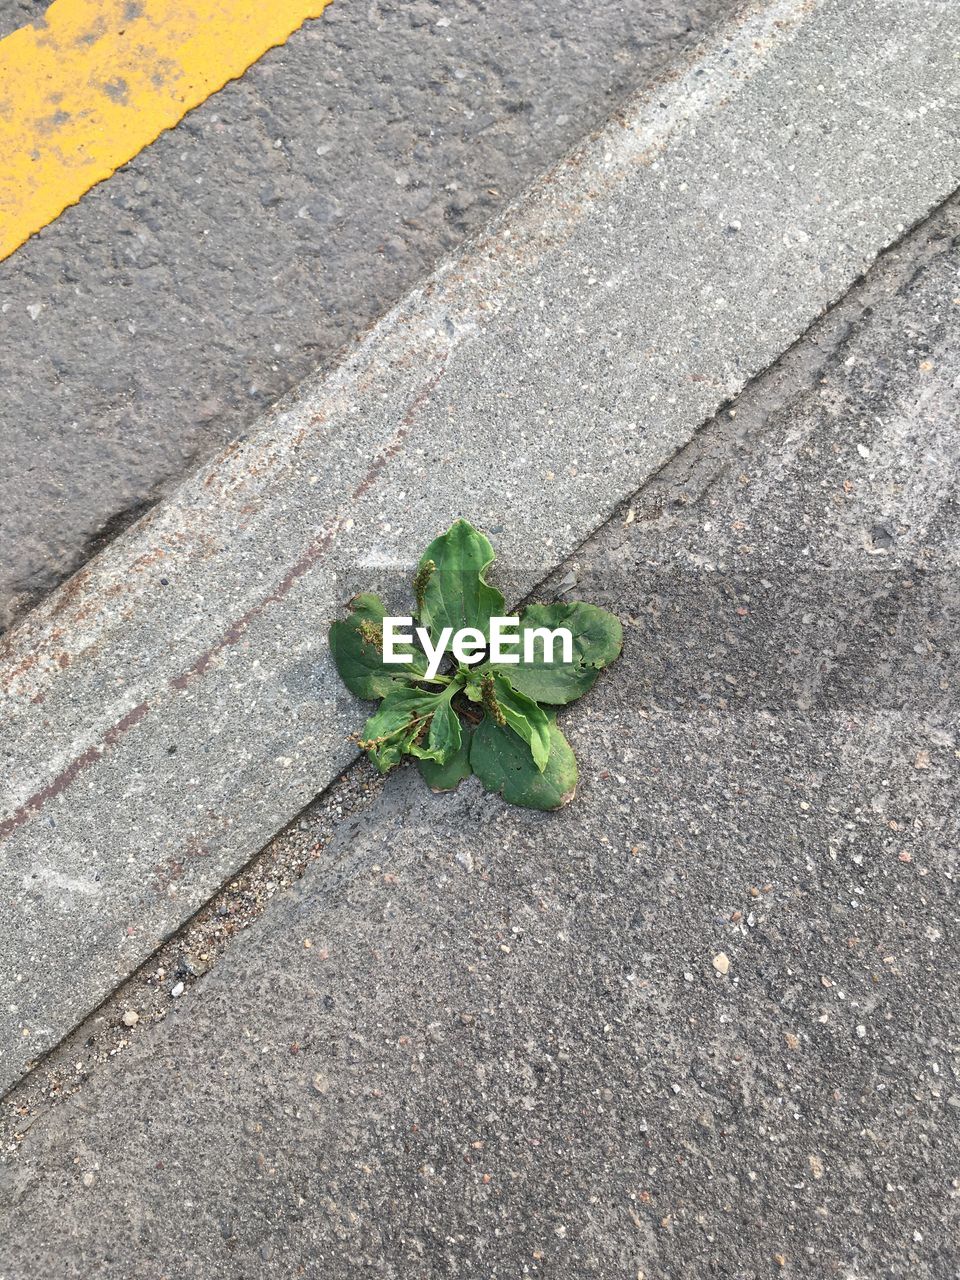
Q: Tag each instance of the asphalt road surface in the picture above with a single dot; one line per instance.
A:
(701, 1022)
(152, 322)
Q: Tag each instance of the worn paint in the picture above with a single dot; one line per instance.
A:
(94, 81)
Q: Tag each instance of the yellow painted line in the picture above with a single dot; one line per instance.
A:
(94, 81)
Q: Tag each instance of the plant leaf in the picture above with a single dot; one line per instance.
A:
(448, 776)
(597, 641)
(443, 740)
(359, 657)
(367, 605)
(472, 688)
(503, 763)
(456, 593)
(397, 723)
(525, 718)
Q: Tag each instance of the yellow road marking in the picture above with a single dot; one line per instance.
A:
(97, 80)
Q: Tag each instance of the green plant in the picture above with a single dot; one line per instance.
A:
(497, 721)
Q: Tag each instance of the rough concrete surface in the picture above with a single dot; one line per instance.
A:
(157, 319)
(703, 1021)
(17, 13)
(173, 706)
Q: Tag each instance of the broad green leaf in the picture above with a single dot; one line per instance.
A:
(357, 647)
(525, 718)
(402, 718)
(455, 593)
(503, 763)
(448, 776)
(367, 605)
(597, 639)
(443, 740)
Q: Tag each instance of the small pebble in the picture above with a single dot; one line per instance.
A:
(721, 963)
(130, 1018)
(88, 1179)
(176, 990)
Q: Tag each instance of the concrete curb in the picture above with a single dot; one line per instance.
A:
(173, 705)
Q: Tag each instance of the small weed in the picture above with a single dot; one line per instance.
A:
(497, 720)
